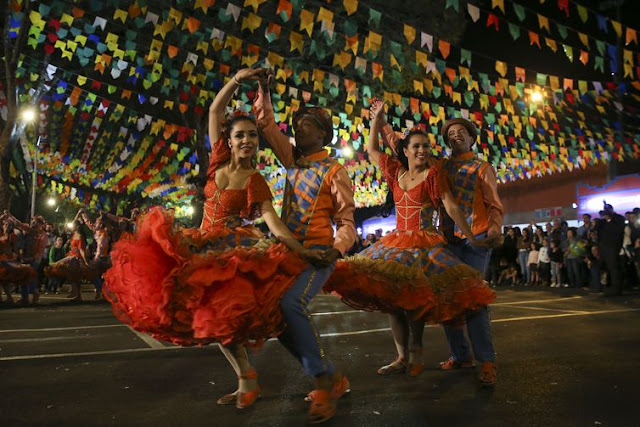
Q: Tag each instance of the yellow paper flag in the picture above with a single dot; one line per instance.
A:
(501, 67)
(409, 33)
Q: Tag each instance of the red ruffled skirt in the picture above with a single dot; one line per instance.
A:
(73, 270)
(410, 270)
(191, 287)
(16, 273)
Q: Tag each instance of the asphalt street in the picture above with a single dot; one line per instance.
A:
(565, 357)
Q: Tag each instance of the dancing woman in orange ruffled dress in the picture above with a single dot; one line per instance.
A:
(223, 281)
(409, 273)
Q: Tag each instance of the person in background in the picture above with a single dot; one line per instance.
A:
(557, 259)
(56, 253)
(523, 245)
(610, 238)
(593, 264)
(574, 254)
(585, 228)
(532, 265)
(544, 263)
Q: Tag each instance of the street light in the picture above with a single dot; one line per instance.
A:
(51, 201)
(536, 96)
(347, 152)
(29, 115)
(189, 210)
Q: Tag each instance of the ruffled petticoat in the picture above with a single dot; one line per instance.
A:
(410, 270)
(15, 273)
(73, 270)
(191, 286)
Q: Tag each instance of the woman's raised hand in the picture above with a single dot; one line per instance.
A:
(377, 109)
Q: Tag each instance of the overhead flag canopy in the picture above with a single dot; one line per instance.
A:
(127, 85)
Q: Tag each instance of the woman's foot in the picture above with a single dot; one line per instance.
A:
(397, 366)
(416, 364)
(228, 399)
(248, 389)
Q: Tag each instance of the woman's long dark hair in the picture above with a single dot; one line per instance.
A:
(404, 143)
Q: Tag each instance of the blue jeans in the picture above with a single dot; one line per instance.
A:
(574, 268)
(300, 336)
(31, 287)
(523, 257)
(478, 322)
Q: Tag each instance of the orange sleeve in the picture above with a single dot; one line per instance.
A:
(491, 199)
(266, 122)
(258, 191)
(437, 184)
(342, 195)
(389, 167)
(389, 137)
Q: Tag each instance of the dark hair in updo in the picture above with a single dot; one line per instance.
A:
(404, 143)
(231, 122)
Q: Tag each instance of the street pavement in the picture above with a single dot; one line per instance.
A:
(566, 358)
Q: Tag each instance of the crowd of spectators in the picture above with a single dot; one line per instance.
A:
(603, 254)
(40, 244)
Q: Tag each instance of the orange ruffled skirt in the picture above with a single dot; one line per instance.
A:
(192, 287)
(73, 270)
(410, 270)
(16, 273)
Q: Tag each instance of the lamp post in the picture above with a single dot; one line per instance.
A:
(29, 116)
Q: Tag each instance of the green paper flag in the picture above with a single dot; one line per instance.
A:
(519, 10)
(582, 11)
(350, 27)
(396, 49)
(469, 99)
(374, 18)
(454, 4)
(514, 30)
(598, 63)
(437, 91)
(316, 49)
(465, 56)
(541, 79)
(600, 46)
(562, 30)
(568, 50)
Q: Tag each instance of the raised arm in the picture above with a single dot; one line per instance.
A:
(222, 99)
(377, 119)
(266, 121)
(88, 222)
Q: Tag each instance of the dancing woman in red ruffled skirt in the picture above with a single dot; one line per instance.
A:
(223, 281)
(409, 273)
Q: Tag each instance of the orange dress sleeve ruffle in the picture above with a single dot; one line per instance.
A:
(390, 166)
(258, 191)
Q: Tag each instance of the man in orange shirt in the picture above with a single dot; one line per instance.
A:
(318, 192)
(473, 184)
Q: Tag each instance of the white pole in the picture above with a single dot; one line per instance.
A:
(34, 178)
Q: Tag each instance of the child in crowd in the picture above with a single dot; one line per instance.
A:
(557, 258)
(544, 263)
(532, 270)
(508, 273)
